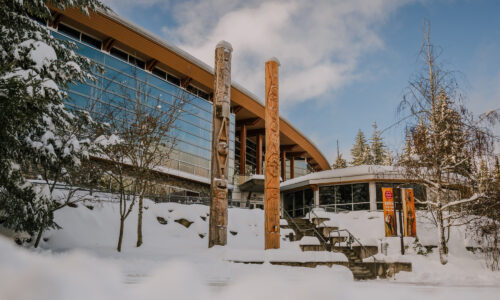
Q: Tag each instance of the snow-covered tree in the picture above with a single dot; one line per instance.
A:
(359, 150)
(378, 149)
(443, 145)
(340, 163)
(34, 67)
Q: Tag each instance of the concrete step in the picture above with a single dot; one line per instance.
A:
(317, 221)
(313, 248)
(325, 231)
(362, 252)
(337, 239)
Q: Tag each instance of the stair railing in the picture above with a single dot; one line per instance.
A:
(322, 240)
(351, 239)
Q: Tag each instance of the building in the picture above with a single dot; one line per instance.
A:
(129, 55)
(348, 189)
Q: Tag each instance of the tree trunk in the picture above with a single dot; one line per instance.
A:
(39, 236)
(40, 232)
(139, 223)
(443, 249)
(120, 236)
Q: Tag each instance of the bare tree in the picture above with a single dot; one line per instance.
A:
(444, 142)
(141, 125)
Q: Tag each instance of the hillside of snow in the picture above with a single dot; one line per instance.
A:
(80, 261)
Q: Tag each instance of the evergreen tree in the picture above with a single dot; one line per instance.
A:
(34, 68)
(340, 163)
(368, 156)
(359, 150)
(377, 147)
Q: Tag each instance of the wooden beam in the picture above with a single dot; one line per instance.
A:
(108, 44)
(56, 19)
(151, 64)
(259, 154)
(292, 167)
(301, 154)
(243, 149)
(290, 148)
(256, 132)
(283, 165)
(186, 81)
(247, 122)
(236, 109)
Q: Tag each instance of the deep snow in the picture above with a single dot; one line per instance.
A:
(80, 261)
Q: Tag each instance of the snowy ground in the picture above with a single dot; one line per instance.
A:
(80, 262)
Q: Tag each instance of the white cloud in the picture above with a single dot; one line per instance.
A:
(319, 43)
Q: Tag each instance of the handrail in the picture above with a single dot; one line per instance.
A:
(316, 233)
(351, 236)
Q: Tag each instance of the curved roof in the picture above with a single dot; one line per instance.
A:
(361, 173)
(129, 35)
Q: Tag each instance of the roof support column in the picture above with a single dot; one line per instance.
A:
(292, 167)
(259, 154)
(283, 165)
(372, 189)
(315, 189)
(243, 149)
(272, 179)
(217, 233)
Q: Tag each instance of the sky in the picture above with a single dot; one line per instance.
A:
(344, 64)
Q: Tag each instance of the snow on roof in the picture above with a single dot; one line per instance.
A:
(339, 175)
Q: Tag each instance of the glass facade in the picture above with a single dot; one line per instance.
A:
(297, 204)
(345, 197)
(120, 76)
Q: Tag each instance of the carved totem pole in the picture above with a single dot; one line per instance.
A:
(272, 167)
(217, 234)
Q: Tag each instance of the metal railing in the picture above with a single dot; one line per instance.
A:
(351, 239)
(318, 235)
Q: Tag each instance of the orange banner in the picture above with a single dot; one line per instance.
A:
(410, 224)
(389, 217)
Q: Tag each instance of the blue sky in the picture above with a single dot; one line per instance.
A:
(344, 63)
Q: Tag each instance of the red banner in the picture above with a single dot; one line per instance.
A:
(389, 217)
(410, 224)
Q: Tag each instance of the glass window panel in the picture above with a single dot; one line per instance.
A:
(326, 195)
(360, 193)
(344, 194)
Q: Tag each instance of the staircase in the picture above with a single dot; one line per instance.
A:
(333, 239)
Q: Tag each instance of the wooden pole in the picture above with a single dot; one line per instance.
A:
(292, 167)
(243, 149)
(259, 154)
(283, 165)
(272, 170)
(217, 233)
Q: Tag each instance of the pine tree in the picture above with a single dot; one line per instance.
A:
(359, 150)
(340, 163)
(377, 147)
(33, 70)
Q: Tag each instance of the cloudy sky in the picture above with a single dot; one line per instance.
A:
(344, 64)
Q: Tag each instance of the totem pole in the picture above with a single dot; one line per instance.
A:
(217, 234)
(272, 156)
